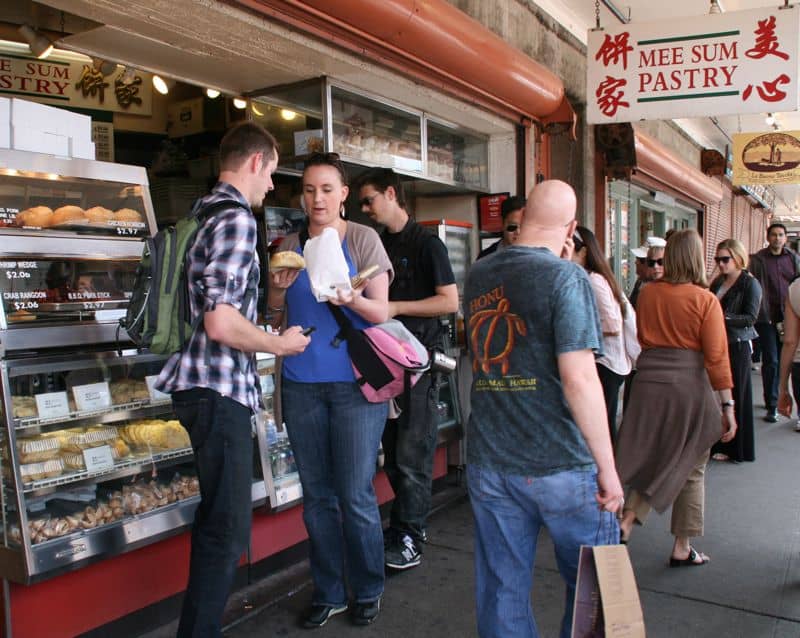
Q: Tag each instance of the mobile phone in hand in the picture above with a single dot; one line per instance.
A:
(308, 330)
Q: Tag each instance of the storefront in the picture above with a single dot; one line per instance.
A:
(372, 105)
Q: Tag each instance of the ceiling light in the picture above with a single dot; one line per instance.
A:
(212, 93)
(240, 103)
(40, 45)
(288, 115)
(770, 119)
(256, 111)
(104, 66)
(715, 8)
(163, 85)
(128, 75)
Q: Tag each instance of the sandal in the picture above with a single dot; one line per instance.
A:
(694, 560)
(719, 456)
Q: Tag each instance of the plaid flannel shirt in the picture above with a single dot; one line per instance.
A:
(222, 267)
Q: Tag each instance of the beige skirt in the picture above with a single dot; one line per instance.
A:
(672, 417)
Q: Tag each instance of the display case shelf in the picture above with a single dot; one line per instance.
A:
(115, 413)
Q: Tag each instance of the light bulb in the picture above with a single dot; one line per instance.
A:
(212, 93)
(288, 115)
(239, 103)
(162, 85)
(256, 110)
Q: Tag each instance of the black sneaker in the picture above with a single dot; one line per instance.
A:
(772, 415)
(366, 613)
(403, 553)
(318, 615)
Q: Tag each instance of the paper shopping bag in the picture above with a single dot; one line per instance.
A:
(606, 596)
(326, 265)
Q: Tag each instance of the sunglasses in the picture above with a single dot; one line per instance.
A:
(511, 228)
(655, 262)
(367, 201)
(722, 260)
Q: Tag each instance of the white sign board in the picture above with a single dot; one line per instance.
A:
(98, 459)
(50, 405)
(721, 64)
(92, 396)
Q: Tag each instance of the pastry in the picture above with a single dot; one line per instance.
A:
(21, 315)
(286, 259)
(24, 406)
(127, 215)
(38, 216)
(67, 214)
(99, 214)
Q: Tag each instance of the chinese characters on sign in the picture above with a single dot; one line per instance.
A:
(741, 62)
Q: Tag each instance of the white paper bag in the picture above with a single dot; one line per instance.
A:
(326, 265)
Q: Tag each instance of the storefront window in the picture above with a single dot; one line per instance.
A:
(457, 156)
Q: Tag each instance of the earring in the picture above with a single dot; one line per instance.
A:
(342, 211)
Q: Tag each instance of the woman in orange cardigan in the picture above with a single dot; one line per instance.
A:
(682, 383)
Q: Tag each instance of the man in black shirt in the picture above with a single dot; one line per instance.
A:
(423, 289)
(511, 211)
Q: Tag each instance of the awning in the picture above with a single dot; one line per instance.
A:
(656, 161)
(432, 41)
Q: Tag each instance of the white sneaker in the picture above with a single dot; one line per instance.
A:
(797, 425)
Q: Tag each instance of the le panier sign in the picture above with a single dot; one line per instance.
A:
(720, 64)
(65, 78)
(766, 158)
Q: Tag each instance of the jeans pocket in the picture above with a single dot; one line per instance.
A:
(484, 485)
(196, 416)
(566, 493)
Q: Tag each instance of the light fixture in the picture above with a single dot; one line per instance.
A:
(40, 45)
(715, 8)
(770, 119)
(240, 103)
(105, 67)
(288, 115)
(255, 110)
(163, 85)
(128, 75)
(212, 93)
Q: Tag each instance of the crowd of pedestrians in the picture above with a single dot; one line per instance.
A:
(551, 337)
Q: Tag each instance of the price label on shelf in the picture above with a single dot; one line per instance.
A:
(92, 396)
(98, 459)
(155, 395)
(50, 405)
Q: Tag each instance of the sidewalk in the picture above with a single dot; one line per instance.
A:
(751, 588)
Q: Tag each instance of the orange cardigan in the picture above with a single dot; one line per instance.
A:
(685, 316)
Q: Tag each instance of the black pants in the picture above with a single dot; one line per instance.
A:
(611, 382)
(220, 430)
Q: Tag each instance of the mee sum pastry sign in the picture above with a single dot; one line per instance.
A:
(721, 64)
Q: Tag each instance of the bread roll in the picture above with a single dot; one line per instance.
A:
(39, 216)
(127, 215)
(99, 214)
(68, 214)
(286, 259)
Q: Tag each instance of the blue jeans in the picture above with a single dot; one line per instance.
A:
(509, 511)
(770, 351)
(221, 434)
(335, 434)
(409, 443)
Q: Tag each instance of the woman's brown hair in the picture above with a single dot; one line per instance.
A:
(596, 262)
(683, 259)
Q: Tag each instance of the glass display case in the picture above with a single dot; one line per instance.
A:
(455, 155)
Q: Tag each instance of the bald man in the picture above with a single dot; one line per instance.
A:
(539, 451)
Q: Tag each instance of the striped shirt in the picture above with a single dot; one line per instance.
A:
(223, 268)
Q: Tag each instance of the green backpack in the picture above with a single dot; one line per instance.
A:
(158, 316)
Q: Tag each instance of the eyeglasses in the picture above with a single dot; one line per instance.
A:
(655, 262)
(367, 201)
(511, 228)
(722, 260)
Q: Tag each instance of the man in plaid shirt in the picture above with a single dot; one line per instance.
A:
(213, 379)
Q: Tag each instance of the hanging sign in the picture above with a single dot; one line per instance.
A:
(721, 64)
(766, 158)
(69, 79)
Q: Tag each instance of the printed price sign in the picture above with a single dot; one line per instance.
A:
(50, 405)
(98, 459)
(155, 395)
(92, 396)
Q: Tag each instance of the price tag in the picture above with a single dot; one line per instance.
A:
(155, 395)
(98, 459)
(52, 404)
(92, 396)
(288, 493)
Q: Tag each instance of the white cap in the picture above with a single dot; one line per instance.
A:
(650, 242)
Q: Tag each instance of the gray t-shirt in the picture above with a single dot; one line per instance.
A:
(523, 307)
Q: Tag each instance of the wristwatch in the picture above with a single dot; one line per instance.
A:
(727, 404)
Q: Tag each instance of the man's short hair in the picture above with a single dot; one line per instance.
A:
(776, 225)
(243, 140)
(511, 204)
(380, 179)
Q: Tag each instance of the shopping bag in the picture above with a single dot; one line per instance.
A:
(326, 265)
(606, 596)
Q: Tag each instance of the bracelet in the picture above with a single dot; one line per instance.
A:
(276, 309)
(727, 404)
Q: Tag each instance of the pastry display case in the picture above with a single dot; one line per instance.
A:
(456, 155)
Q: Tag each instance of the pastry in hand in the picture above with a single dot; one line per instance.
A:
(286, 259)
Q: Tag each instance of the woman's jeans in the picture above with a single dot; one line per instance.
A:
(221, 433)
(509, 513)
(335, 434)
